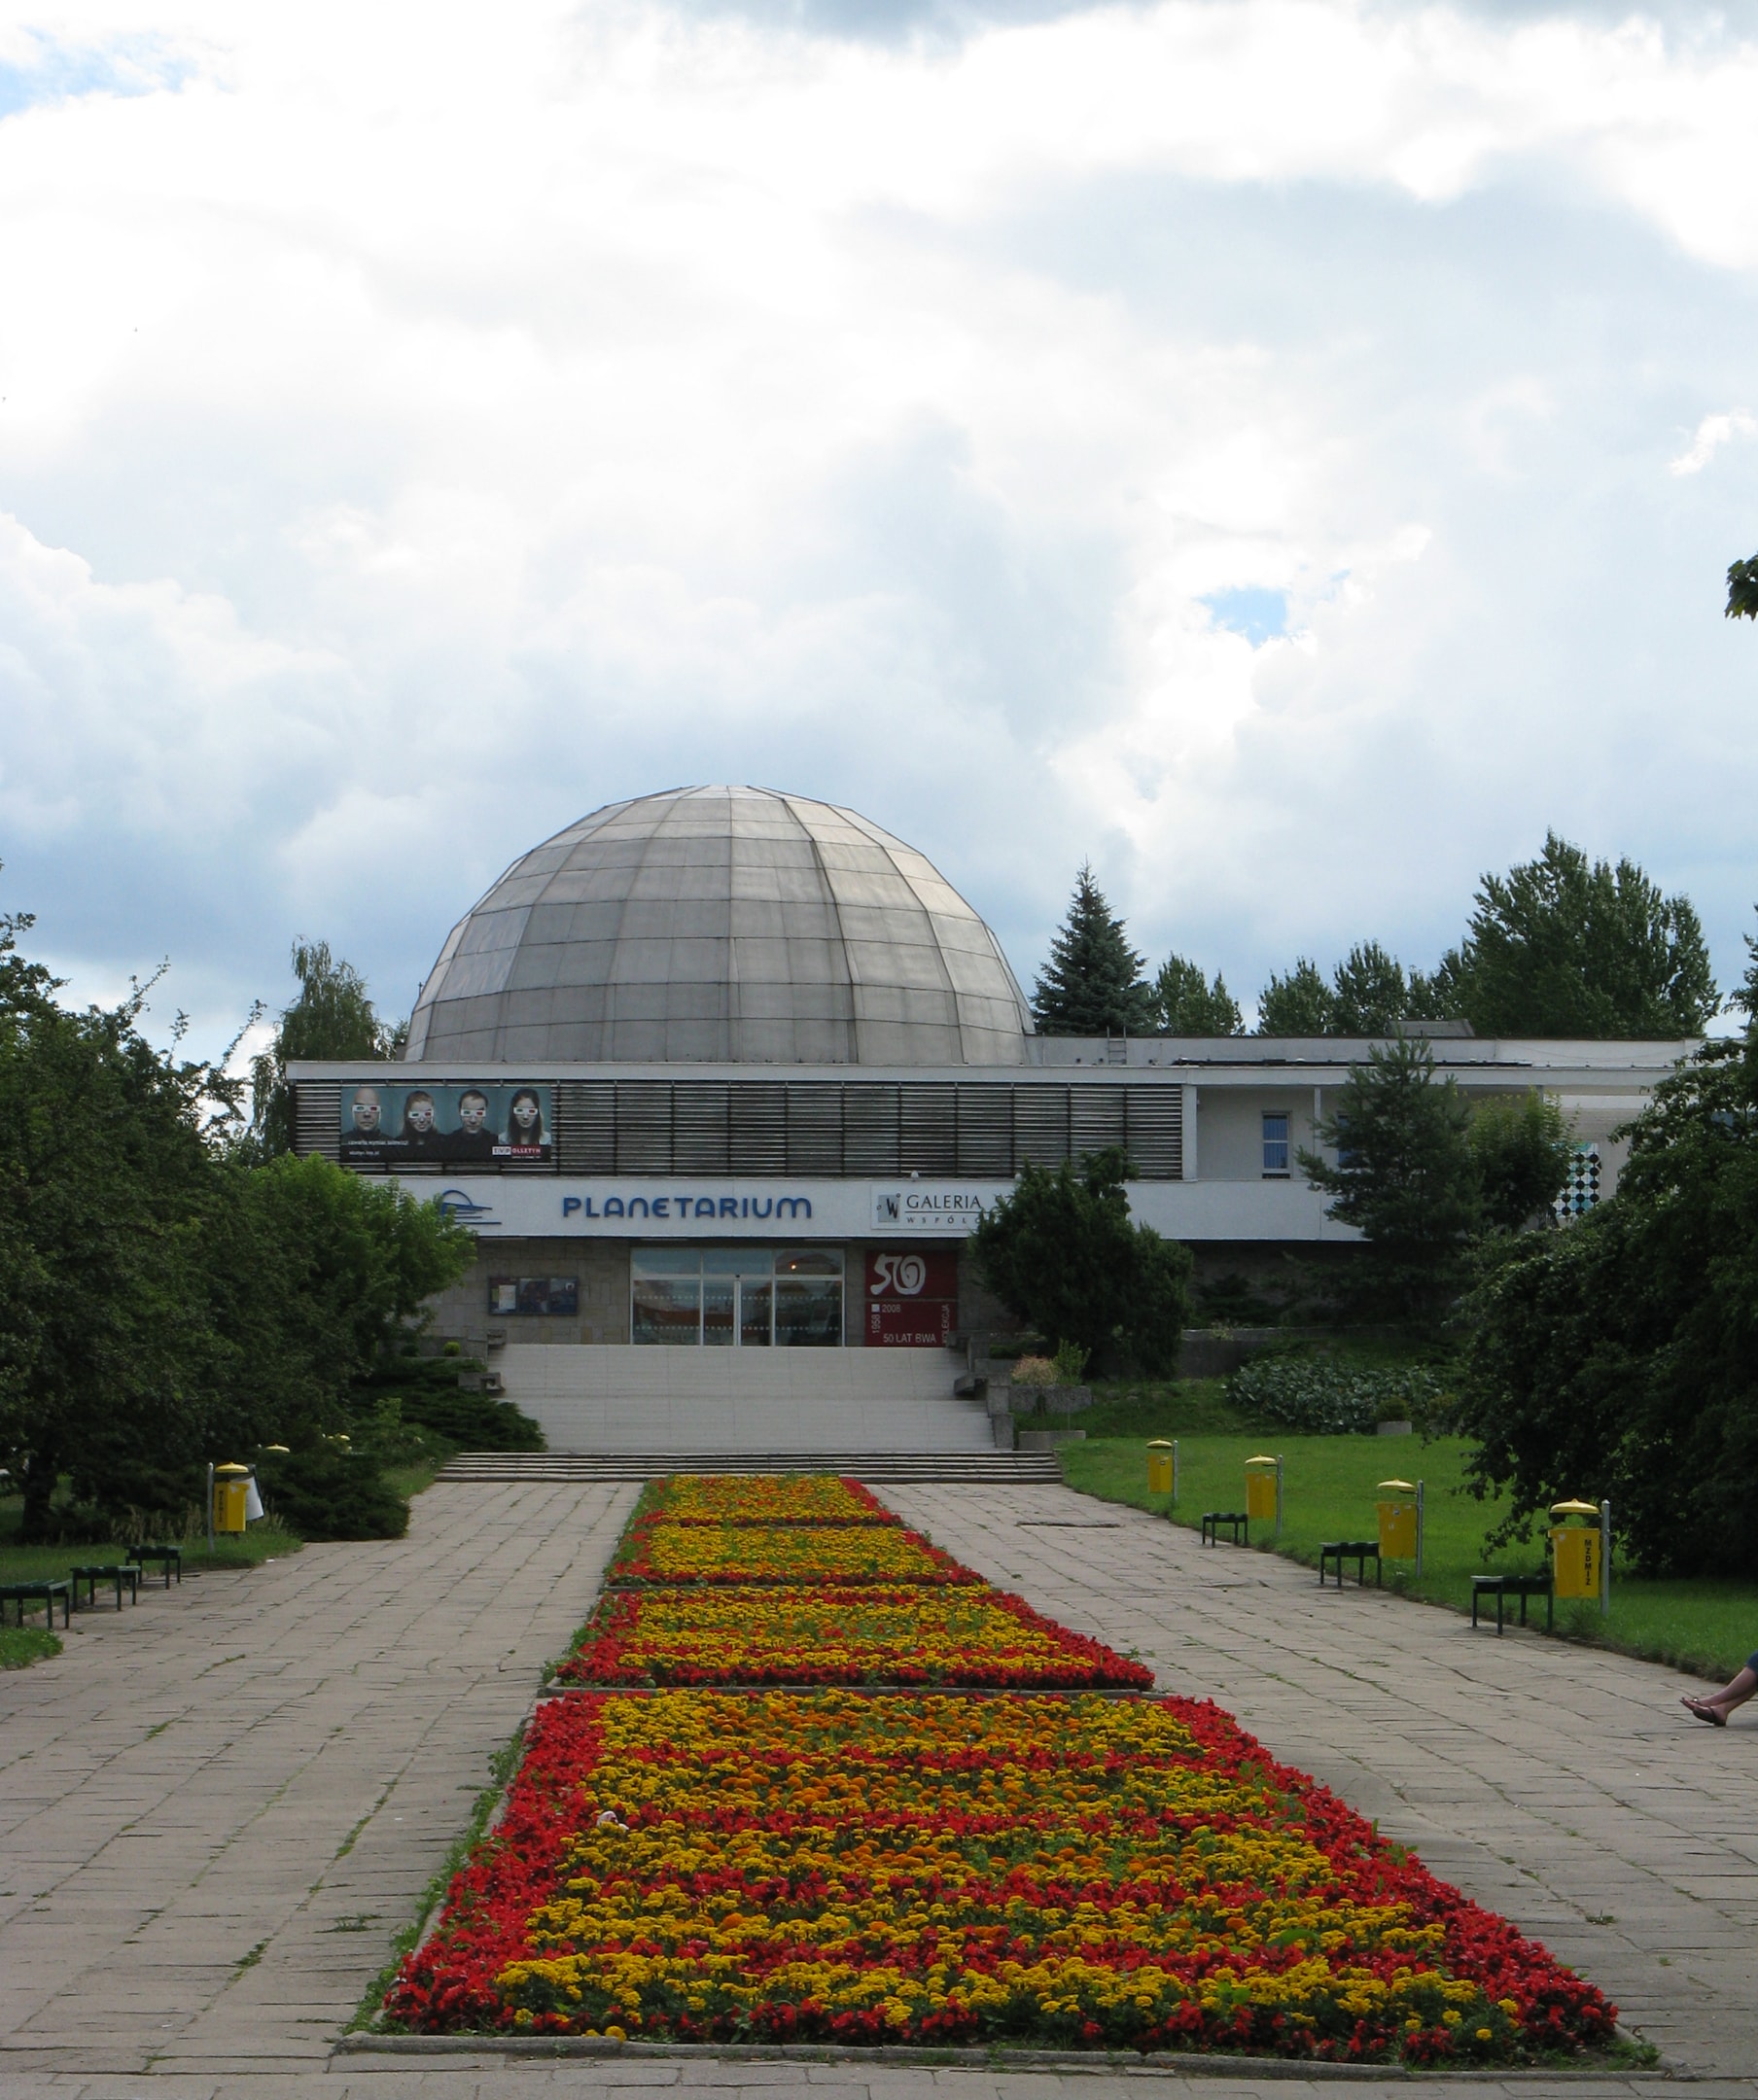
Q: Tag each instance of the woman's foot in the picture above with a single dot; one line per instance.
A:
(1704, 1711)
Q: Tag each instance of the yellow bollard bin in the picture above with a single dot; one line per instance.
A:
(232, 1496)
(1575, 1549)
(1398, 1521)
(1159, 1466)
(1263, 1482)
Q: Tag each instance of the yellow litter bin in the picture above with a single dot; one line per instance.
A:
(1576, 1547)
(1400, 1521)
(1263, 1488)
(1160, 1473)
(232, 1496)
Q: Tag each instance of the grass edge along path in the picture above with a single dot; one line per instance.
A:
(1702, 1627)
(949, 1868)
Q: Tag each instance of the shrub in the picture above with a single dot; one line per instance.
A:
(1037, 1371)
(1322, 1398)
(477, 1422)
(326, 1491)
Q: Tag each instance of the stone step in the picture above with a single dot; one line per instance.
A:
(901, 1468)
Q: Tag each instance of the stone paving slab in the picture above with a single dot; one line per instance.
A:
(197, 1794)
(1559, 1785)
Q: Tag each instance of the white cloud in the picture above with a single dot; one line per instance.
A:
(415, 436)
(1712, 433)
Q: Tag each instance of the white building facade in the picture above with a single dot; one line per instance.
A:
(724, 1069)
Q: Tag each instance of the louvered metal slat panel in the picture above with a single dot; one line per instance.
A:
(700, 1130)
(871, 1136)
(815, 1128)
(1156, 1131)
(643, 1126)
(318, 1117)
(1095, 1119)
(985, 1131)
(929, 1130)
(585, 1127)
(758, 1118)
(1040, 1126)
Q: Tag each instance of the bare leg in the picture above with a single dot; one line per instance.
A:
(1716, 1708)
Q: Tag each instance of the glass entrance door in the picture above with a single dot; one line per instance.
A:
(736, 1296)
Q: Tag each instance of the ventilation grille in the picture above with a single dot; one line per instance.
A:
(319, 1117)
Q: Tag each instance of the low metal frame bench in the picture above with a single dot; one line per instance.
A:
(1360, 1550)
(1237, 1521)
(42, 1592)
(1503, 1587)
(166, 1556)
(116, 1571)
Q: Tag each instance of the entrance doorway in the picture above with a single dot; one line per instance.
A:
(736, 1296)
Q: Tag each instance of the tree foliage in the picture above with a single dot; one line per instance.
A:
(1619, 1356)
(332, 1017)
(1370, 993)
(167, 1302)
(1092, 984)
(1063, 1254)
(1564, 946)
(1186, 1004)
(1403, 1175)
(1297, 1004)
(1521, 1150)
(1743, 589)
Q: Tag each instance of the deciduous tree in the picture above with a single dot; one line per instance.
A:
(1564, 946)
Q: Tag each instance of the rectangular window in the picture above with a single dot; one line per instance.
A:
(553, 1297)
(1276, 1144)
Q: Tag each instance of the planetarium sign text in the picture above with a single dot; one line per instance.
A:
(682, 1209)
(550, 1206)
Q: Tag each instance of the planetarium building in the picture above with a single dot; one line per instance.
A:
(729, 1071)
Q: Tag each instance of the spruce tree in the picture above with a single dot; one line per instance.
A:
(1092, 984)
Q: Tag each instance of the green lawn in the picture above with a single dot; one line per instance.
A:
(1705, 1627)
(19, 1564)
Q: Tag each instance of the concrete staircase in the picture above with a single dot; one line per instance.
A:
(897, 1469)
(803, 1403)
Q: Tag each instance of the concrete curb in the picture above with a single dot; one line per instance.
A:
(1166, 2064)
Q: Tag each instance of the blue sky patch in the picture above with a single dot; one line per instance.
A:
(1259, 615)
(58, 73)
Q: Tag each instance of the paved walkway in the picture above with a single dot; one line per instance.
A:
(218, 1809)
(1558, 1785)
(216, 1813)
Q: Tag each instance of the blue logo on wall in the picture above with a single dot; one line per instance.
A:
(457, 1205)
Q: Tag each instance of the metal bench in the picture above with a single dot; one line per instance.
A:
(1360, 1550)
(1236, 1519)
(167, 1557)
(1503, 1587)
(116, 1571)
(42, 1592)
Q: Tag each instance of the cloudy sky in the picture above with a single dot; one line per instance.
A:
(1285, 450)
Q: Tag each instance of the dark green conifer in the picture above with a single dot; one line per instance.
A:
(1092, 984)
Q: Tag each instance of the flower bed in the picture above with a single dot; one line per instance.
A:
(657, 1551)
(706, 1635)
(706, 1866)
(763, 1498)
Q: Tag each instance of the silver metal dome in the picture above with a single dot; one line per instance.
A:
(722, 925)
